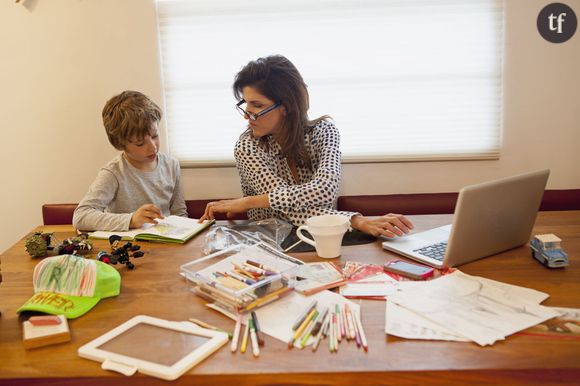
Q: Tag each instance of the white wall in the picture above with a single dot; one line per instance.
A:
(62, 59)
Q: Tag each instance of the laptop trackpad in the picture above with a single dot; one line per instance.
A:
(421, 239)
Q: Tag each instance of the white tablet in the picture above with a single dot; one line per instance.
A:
(153, 346)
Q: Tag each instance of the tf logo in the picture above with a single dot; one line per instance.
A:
(557, 22)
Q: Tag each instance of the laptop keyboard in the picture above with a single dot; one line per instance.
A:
(434, 251)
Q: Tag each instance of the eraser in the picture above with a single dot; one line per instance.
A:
(47, 320)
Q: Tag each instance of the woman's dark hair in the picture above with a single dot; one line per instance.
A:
(278, 79)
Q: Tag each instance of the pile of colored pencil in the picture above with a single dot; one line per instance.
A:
(252, 333)
(335, 323)
(247, 285)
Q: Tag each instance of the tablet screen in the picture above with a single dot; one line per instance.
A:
(154, 344)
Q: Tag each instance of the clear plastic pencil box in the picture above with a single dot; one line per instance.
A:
(243, 277)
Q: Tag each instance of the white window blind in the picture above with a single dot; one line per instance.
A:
(403, 80)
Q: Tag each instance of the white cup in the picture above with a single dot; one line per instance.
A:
(328, 231)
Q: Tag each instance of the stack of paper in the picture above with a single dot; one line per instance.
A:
(463, 308)
(378, 286)
(315, 277)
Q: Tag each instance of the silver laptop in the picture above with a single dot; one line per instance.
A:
(489, 218)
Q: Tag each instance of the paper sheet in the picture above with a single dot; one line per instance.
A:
(565, 326)
(479, 309)
(276, 319)
(381, 285)
(404, 323)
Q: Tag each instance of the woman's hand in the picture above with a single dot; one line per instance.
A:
(389, 225)
(238, 205)
(230, 207)
(145, 214)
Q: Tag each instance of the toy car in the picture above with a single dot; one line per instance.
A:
(546, 249)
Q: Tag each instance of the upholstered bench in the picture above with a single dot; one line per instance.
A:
(58, 214)
(369, 205)
(440, 203)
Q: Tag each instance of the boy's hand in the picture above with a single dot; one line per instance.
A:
(145, 214)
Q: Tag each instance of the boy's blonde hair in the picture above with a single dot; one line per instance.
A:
(129, 115)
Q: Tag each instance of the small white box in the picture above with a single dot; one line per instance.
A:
(40, 336)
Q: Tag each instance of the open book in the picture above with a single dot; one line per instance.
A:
(172, 229)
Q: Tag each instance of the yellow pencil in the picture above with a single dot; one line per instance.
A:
(267, 298)
(302, 327)
(309, 329)
(245, 339)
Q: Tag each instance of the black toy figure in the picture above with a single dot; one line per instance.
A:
(120, 254)
(76, 245)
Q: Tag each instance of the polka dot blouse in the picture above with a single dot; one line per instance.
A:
(267, 171)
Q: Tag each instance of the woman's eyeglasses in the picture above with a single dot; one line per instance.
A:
(255, 116)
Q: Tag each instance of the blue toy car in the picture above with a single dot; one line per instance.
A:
(546, 249)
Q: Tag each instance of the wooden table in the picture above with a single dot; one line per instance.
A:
(155, 288)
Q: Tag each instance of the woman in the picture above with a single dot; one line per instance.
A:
(289, 166)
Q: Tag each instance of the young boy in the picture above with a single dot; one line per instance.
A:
(140, 184)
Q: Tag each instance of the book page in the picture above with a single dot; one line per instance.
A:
(174, 227)
(127, 235)
(171, 227)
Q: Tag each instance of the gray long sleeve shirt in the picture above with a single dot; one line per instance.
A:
(120, 189)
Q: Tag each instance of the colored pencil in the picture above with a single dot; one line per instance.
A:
(253, 269)
(346, 334)
(236, 338)
(363, 337)
(292, 246)
(241, 278)
(262, 266)
(321, 332)
(209, 326)
(339, 323)
(318, 326)
(302, 327)
(245, 338)
(254, 338)
(357, 336)
(336, 332)
(259, 334)
(267, 298)
(231, 283)
(303, 315)
(309, 329)
(350, 322)
(331, 332)
(325, 328)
